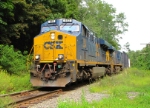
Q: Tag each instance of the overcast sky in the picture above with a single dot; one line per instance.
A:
(138, 17)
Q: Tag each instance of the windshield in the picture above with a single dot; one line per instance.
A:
(46, 29)
(72, 28)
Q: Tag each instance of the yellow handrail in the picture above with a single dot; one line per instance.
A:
(29, 56)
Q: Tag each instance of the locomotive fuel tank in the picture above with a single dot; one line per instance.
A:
(98, 72)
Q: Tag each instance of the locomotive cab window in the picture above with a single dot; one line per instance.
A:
(85, 32)
(48, 28)
(70, 27)
(91, 36)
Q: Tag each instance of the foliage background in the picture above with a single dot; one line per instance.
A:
(20, 22)
(141, 58)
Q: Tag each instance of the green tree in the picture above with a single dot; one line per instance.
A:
(12, 61)
(24, 25)
(102, 18)
(127, 47)
(6, 15)
(60, 8)
(27, 16)
(140, 58)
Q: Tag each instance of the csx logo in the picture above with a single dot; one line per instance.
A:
(52, 45)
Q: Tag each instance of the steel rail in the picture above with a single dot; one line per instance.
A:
(27, 98)
(36, 98)
(19, 93)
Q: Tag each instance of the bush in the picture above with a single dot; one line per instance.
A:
(14, 83)
(12, 61)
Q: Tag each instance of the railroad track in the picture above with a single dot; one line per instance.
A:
(28, 98)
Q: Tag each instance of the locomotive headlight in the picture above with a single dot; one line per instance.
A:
(60, 56)
(53, 36)
(37, 57)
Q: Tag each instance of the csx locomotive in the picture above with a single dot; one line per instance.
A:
(66, 51)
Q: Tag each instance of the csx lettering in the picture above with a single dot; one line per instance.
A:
(51, 45)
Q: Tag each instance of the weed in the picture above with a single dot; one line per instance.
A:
(129, 89)
(13, 83)
(4, 102)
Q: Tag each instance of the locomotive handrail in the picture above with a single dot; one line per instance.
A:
(29, 56)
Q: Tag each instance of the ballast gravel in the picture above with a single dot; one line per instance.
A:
(74, 95)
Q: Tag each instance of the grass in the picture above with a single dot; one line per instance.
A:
(13, 83)
(129, 89)
(4, 102)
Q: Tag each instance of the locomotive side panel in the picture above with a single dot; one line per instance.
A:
(86, 48)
